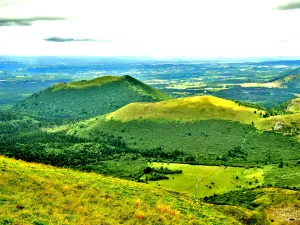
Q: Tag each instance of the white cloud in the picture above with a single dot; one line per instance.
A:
(204, 28)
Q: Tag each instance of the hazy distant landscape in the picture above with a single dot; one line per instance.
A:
(245, 81)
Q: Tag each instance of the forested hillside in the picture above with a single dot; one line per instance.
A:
(84, 99)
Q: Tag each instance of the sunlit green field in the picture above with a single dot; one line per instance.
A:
(211, 179)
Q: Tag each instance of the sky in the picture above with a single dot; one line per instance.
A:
(156, 28)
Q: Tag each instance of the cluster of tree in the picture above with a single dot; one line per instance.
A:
(156, 177)
(236, 152)
(249, 104)
(154, 173)
(7, 116)
(161, 170)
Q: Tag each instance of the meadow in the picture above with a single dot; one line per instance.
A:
(212, 180)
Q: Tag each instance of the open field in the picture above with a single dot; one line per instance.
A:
(222, 179)
(211, 179)
(264, 85)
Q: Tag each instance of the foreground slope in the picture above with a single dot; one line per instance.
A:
(84, 99)
(37, 194)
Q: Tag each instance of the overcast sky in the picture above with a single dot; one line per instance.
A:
(160, 28)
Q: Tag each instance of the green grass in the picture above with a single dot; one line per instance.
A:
(211, 179)
(85, 99)
(36, 194)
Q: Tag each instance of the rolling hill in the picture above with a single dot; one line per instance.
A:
(286, 81)
(188, 109)
(269, 93)
(213, 130)
(85, 99)
(37, 194)
(204, 108)
(292, 82)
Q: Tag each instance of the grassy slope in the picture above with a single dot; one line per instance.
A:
(85, 99)
(188, 109)
(294, 106)
(201, 108)
(36, 194)
(289, 81)
(278, 206)
(289, 120)
(291, 123)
